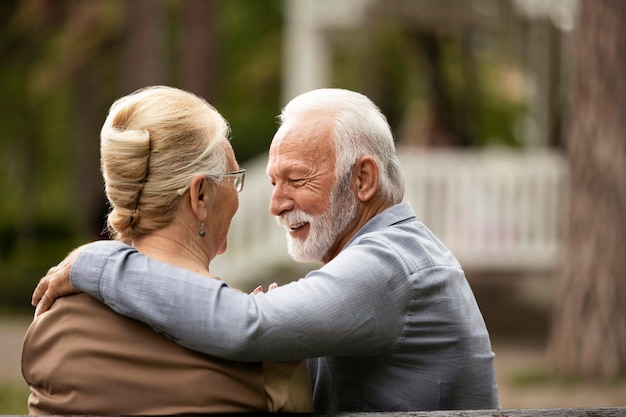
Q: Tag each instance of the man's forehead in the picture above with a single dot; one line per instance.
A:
(302, 147)
(311, 130)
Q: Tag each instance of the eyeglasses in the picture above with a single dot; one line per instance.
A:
(238, 177)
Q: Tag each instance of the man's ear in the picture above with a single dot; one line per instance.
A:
(199, 196)
(366, 177)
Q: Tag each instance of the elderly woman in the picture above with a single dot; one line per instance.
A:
(172, 179)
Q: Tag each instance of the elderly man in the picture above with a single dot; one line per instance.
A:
(389, 322)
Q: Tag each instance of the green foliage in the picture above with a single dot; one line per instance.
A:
(249, 91)
(64, 67)
(480, 83)
(52, 61)
(26, 260)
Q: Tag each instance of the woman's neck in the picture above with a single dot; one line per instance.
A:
(169, 247)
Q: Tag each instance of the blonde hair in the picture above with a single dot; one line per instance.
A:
(152, 143)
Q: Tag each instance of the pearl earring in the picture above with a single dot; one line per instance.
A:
(202, 233)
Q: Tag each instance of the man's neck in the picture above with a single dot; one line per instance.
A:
(365, 213)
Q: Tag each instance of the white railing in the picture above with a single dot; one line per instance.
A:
(496, 210)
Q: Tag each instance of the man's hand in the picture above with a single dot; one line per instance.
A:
(55, 284)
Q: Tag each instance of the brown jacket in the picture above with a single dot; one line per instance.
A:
(83, 358)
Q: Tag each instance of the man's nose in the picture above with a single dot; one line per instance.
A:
(280, 201)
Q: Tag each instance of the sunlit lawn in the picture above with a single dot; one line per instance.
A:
(13, 398)
(13, 390)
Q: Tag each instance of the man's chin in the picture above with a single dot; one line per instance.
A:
(298, 253)
(297, 256)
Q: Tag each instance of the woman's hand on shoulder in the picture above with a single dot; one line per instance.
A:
(260, 288)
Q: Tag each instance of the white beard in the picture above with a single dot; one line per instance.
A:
(323, 228)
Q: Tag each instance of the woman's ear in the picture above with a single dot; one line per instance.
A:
(199, 196)
(366, 175)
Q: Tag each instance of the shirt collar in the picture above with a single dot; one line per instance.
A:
(394, 214)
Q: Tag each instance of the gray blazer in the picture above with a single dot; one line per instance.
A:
(390, 324)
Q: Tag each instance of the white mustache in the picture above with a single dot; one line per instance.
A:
(292, 218)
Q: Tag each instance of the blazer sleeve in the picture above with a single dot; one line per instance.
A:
(355, 305)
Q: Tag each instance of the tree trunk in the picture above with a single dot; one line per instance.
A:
(446, 126)
(144, 45)
(198, 48)
(588, 336)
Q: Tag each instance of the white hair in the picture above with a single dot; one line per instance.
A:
(359, 129)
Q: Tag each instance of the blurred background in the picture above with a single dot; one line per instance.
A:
(509, 120)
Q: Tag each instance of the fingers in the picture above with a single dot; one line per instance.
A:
(57, 286)
(257, 290)
(43, 305)
(40, 290)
